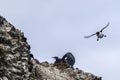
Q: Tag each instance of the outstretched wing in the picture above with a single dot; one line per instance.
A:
(89, 36)
(105, 27)
(69, 59)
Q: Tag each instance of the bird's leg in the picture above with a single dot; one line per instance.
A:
(97, 39)
(104, 35)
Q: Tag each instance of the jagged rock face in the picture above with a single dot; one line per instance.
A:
(17, 63)
(14, 53)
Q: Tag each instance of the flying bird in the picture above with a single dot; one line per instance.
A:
(99, 34)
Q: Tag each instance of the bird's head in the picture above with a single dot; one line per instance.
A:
(97, 33)
(55, 57)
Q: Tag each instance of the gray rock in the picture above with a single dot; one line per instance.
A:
(17, 63)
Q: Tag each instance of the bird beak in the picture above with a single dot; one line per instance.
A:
(53, 57)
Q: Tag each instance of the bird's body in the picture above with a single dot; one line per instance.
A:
(31, 55)
(99, 34)
(68, 59)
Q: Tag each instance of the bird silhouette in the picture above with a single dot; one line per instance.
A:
(68, 59)
(57, 60)
(99, 34)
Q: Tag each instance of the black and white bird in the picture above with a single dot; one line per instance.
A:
(99, 34)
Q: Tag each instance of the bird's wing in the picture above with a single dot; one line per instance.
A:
(105, 27)
(89, 36)
(70, 58)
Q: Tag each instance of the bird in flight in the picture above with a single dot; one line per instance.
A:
(99, 34)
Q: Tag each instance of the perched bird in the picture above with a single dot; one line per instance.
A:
(99, 34)
(69, 59)
(57, 60)
(31, 55)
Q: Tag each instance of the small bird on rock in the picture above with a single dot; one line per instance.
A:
(67, 59)
(57, 60)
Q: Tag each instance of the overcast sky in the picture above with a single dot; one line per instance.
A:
(55, 27)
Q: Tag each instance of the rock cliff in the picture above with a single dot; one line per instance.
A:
(17, 62)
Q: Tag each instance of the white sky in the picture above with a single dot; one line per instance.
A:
(54, 27)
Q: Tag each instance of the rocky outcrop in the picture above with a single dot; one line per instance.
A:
(17, 62)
